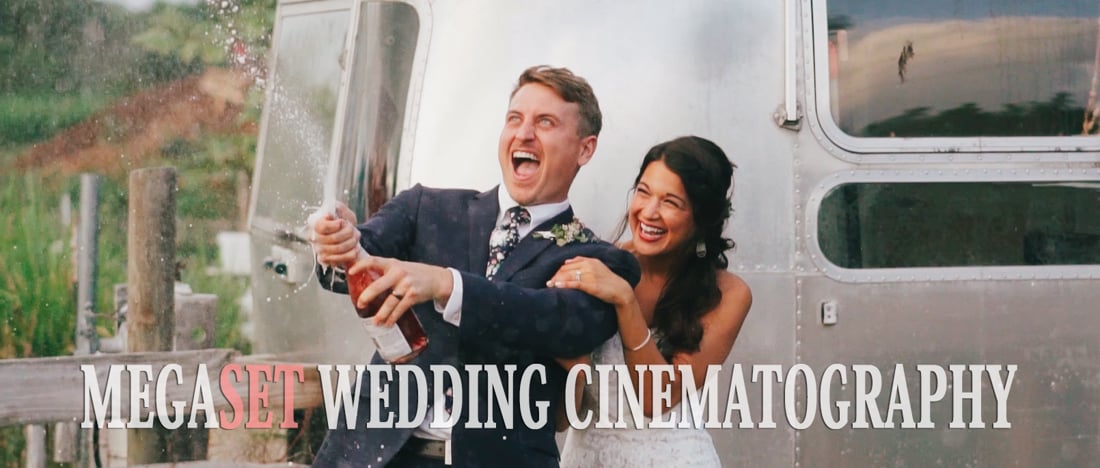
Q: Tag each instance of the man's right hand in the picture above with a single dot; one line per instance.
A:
(336, 239)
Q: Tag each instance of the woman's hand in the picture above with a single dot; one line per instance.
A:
(593, 277)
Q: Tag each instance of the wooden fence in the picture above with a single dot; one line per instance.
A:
(41, 391)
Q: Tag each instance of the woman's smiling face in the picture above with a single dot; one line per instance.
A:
(660, 213)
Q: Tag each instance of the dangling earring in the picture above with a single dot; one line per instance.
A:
(701, 249)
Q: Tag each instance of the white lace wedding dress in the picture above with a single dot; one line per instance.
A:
(632, 446)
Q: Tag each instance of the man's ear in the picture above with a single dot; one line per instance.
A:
(588, 149)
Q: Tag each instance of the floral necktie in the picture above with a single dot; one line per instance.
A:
(505, 237)
(501, 242)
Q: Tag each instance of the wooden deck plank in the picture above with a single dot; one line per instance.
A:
(46, 390)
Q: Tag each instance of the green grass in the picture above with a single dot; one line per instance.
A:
(36, 299)
(30, 118)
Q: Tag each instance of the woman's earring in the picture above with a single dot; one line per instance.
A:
(701, 249)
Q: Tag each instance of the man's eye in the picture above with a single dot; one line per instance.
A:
(546, 122)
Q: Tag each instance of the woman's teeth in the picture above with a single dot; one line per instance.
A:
(650, 230)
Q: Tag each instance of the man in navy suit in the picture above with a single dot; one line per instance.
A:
(482, 304)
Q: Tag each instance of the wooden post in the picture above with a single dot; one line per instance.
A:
(243, 191)
(35, 436)
(196, 315)
(112, 442)
(65, 442)
(151, 275)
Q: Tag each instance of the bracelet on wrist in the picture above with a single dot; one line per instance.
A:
(648, 336)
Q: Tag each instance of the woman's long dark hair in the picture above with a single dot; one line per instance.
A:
(692, 288)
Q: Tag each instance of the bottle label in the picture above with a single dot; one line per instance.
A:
(389, 341)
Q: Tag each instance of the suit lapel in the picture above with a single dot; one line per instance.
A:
(529, 247)
(482, 213)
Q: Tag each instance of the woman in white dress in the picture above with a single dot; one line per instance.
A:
(686, 309)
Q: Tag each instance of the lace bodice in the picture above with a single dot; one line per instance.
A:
(634, 447)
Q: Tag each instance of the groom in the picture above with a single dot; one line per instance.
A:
(472, 267)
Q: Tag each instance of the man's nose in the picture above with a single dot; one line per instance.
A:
(526, 131)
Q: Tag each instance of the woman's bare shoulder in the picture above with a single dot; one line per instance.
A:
(732, 285)
(736, 297)
(723, 323)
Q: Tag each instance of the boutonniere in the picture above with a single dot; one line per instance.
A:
(563, 234)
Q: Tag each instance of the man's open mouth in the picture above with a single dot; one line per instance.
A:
(524, 164)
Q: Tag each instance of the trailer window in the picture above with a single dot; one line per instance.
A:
(899, 68)
(301, 111)
(944, 224)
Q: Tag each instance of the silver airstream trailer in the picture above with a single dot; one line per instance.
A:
(917, 186)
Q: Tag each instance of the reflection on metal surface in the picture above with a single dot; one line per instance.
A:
(378, 85)
(944, 224)
(1001, 70)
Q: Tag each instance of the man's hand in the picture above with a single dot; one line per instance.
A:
(406, 283)
(335, 239)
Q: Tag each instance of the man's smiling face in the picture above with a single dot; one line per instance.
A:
(540, 146)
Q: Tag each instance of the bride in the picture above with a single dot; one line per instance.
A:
(686, 310)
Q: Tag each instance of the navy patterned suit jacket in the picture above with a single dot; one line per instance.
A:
(512, 320)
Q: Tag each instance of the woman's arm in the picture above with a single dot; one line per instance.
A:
(562, 419)
(720, 325)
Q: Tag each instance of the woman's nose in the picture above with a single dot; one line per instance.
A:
(650, 210)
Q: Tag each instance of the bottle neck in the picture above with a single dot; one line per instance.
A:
(360, 254)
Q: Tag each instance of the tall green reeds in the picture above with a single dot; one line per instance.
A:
(36, 272)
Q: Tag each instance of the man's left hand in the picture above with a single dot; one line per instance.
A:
(406, 283)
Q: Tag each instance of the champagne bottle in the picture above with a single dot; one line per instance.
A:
(396, 344)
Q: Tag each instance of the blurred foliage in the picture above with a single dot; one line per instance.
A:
(65, 46)
(213, 33)
(26, 118)
(12, 445)
(86, 45)
(61, 60)
(182, 33)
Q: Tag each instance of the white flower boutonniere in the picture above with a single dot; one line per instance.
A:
(566, 233)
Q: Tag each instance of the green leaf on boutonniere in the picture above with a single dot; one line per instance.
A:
(564, 234)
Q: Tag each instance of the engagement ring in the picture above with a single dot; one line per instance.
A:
(577, 275)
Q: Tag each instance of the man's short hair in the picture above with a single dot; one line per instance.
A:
(571, 88)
